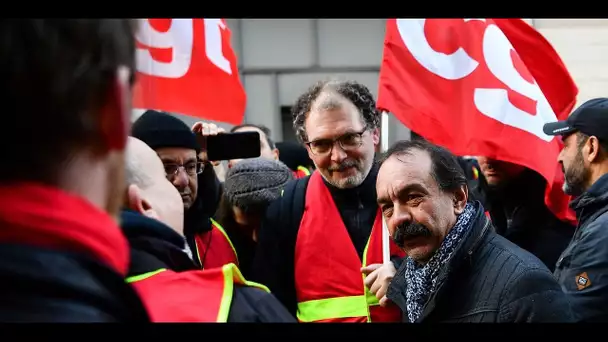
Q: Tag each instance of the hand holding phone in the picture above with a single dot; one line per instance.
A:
(202, 130)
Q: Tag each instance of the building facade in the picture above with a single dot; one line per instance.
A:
(279, 58)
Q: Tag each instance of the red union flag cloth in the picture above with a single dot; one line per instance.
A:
(480, 87)
(187, 66)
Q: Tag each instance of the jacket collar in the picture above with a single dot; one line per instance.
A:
(153, 245)
(595, 197)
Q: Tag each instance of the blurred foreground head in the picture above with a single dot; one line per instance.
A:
(66, 92)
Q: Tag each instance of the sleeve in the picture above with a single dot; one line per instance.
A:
(535, 297)
(250, 304)
(585, 279)
(273, 263)
(209, 190)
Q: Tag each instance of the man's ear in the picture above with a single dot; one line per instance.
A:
(115, 115)
(136, 201)
(461, 196)
(593, 148)
(375, 136)
(275, 152)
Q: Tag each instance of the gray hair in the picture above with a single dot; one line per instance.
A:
(357, 93)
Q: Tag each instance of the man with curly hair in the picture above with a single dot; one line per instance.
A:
(317, 237)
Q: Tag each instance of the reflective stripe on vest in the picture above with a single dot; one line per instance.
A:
(233, 254)
(221, 229)
(144, 276)
(339, 307)
(191, 287)
(304, 170)
(339, 266)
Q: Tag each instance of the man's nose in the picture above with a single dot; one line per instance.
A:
(560, 157)
(337, 153)
(181, 179)
(401, 215)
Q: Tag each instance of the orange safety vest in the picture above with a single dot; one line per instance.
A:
(301, 172)
(329, 283)
(214, 248)
(190, 296)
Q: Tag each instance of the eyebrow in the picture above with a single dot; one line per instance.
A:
(414, 187)
(171, 160)
(338, 136)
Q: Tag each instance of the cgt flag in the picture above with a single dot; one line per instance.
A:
(187, 66)
(480, 87)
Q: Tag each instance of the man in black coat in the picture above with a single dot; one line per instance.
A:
(582, 268)
(458, 269)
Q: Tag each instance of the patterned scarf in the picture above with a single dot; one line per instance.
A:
(422, 279)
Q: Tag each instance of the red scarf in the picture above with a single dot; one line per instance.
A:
(44, 216)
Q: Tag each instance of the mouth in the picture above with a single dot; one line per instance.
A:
(413, 241)
(342, 169)
(492, 174)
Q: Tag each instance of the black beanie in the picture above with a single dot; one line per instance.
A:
(158, 129)
(293, 155)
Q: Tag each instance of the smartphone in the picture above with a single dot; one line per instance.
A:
(238, 145)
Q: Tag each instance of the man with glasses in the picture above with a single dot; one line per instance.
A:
(195, 179)
(316, 238)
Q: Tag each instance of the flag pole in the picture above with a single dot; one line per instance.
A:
(384, 128)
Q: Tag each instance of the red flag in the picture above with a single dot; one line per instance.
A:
(187, 66)
(480, 87)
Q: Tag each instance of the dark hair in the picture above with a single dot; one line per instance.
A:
(355, 92)
(262, 128)
(445, 168)
(56, 75)
(293, 155)
(581, 139)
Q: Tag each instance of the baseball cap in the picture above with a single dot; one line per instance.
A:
(590, 118)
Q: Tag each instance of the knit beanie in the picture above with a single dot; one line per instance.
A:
(252, 184)
(158, 129)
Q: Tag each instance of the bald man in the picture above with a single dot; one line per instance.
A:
(170, 284)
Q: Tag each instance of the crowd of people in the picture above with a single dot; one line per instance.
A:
(107, 221)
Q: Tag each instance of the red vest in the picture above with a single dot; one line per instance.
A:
(191, 296)
(301, 172)
(329, 282)
(214, 248)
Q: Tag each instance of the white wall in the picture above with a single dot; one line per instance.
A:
(583, 46)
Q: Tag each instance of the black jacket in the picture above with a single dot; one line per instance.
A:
(520, 214)
(489, 279)
(44, 285)
(155, 246)
(582, 270)
(197, 217)
(61, 260)
(274, 261)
